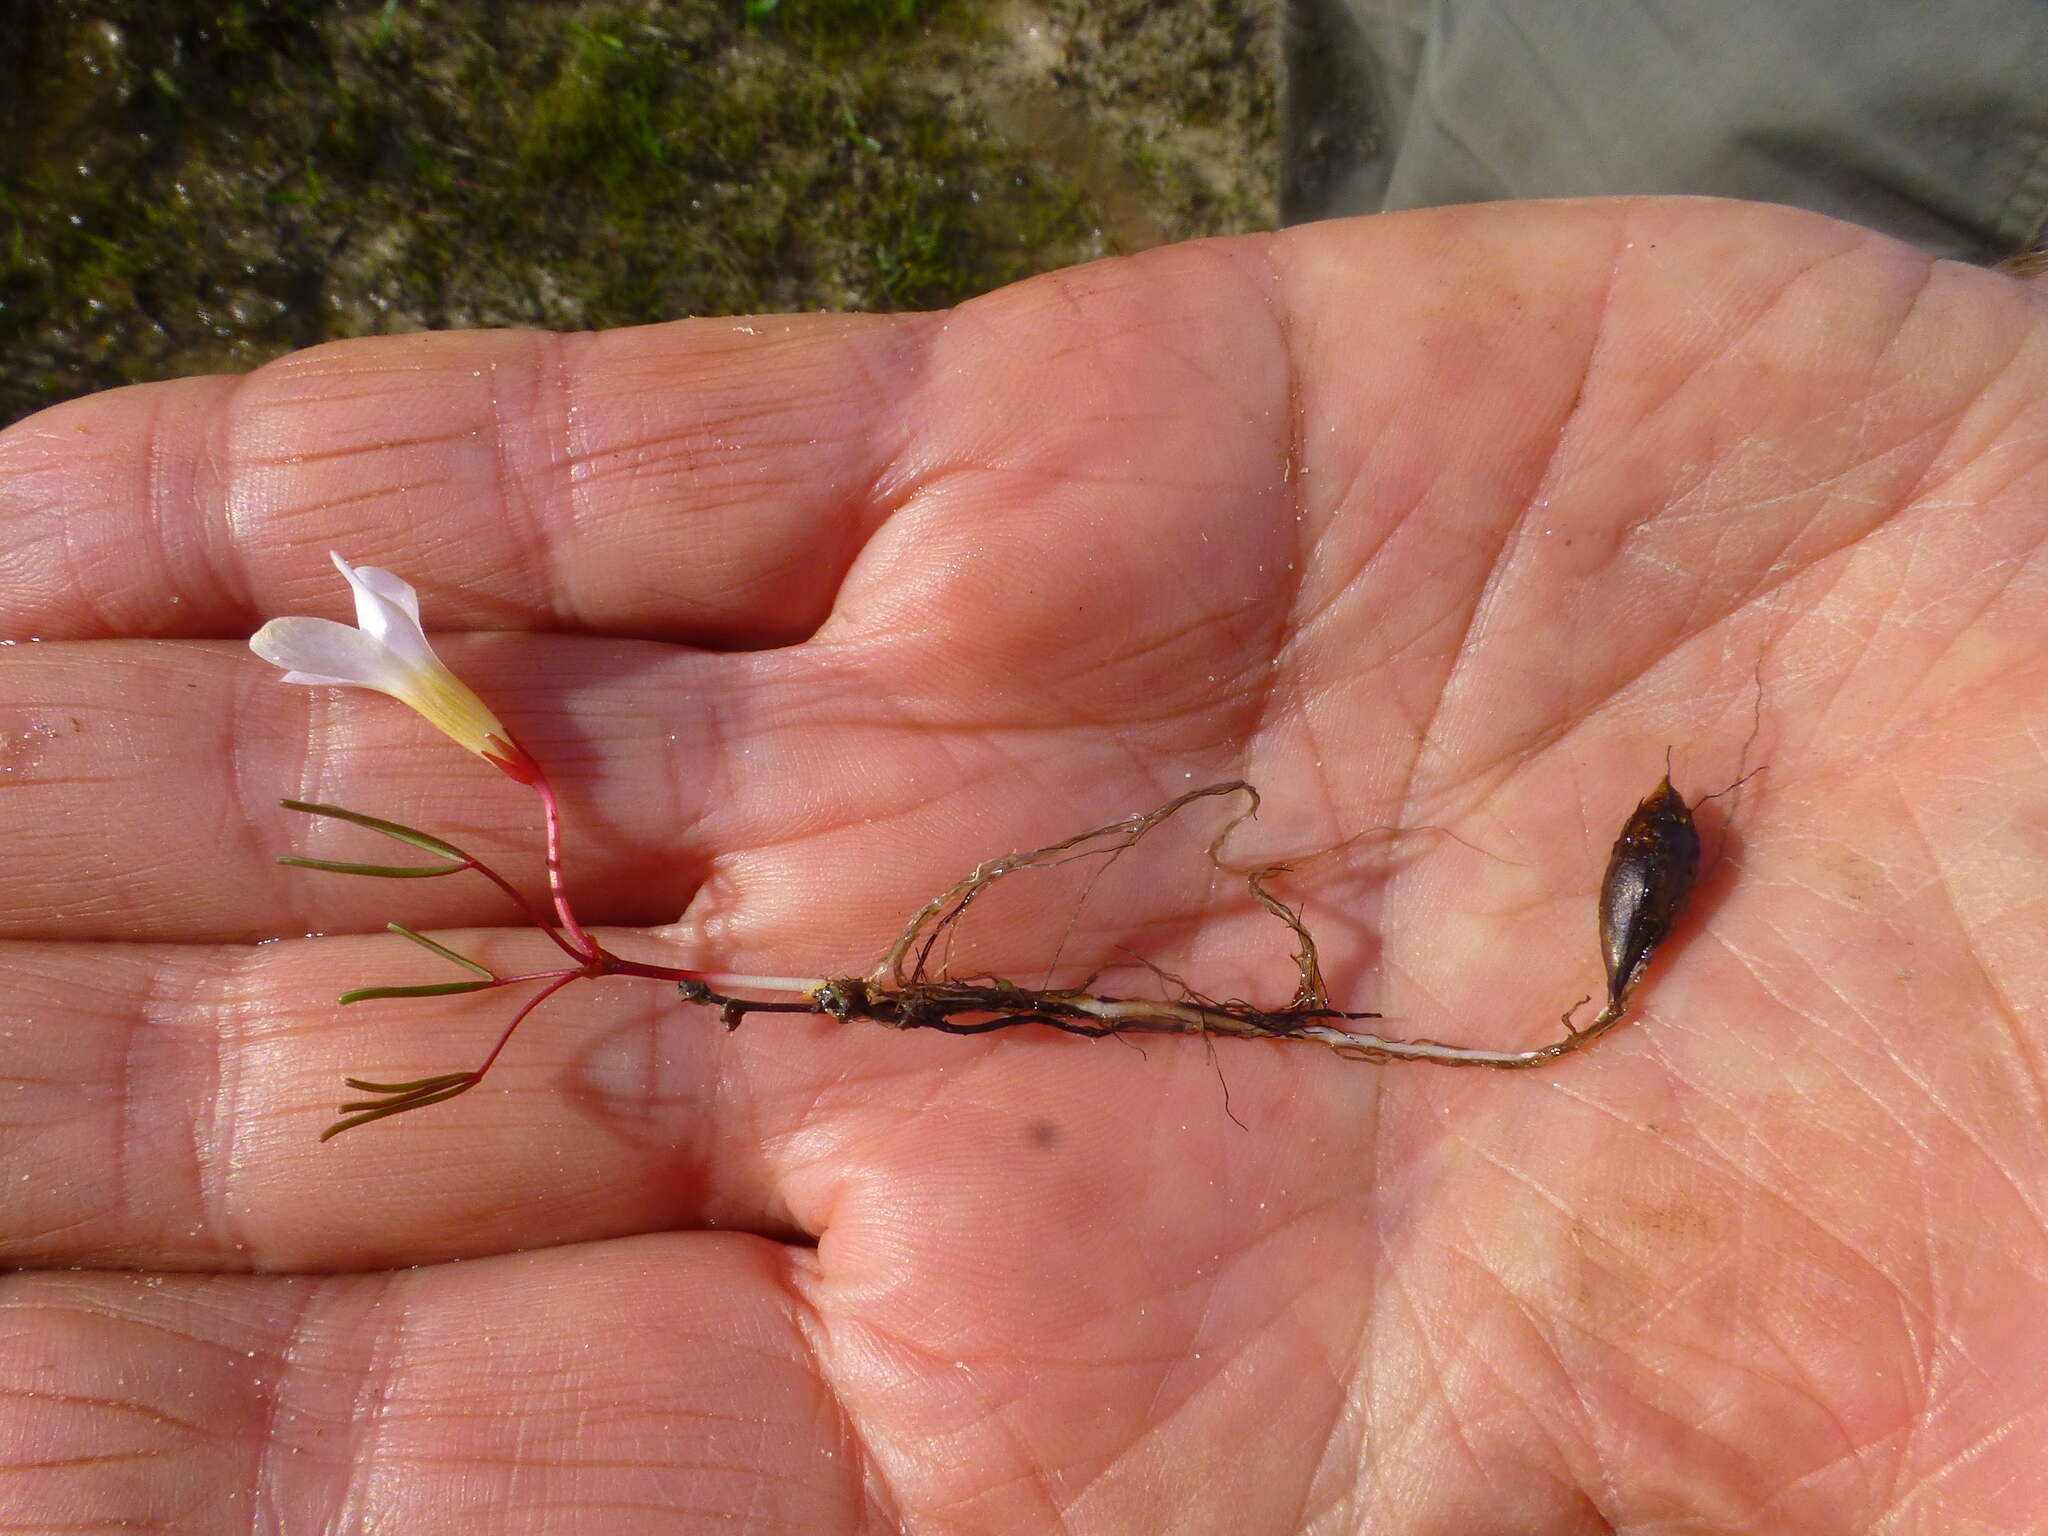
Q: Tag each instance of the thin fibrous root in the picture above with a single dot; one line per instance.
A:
(961, 1009)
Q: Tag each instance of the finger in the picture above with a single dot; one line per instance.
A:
(704, 480)
(665, 1383)
(144, 779)
(710, 481)
(713, 480)
(163, 1105)
(143, 786)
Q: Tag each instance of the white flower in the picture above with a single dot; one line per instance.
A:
(388, 651)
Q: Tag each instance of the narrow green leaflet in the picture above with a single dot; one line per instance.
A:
(404, 834)
(442, 950)
(438, 989)
(381, 871)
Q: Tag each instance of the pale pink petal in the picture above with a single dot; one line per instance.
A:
(390, 654)
(387, 610)
(322, 651)
(393, 589)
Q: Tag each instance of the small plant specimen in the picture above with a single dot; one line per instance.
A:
(913, 985)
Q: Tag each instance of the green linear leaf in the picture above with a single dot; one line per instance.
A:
(404, 834)
(381, 871)
(407, 1097)
(432, 1084)
(437, 989)
(442, 950)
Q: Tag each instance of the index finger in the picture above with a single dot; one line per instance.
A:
(705, 481)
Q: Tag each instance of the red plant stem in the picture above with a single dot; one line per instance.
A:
(584, 948)
(614, 966)
(534, 915)
(562, 979)
(513, 981)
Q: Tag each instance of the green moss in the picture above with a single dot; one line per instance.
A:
(837, 30)
(190, 187)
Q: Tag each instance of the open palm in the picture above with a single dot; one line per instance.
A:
(1454, 520)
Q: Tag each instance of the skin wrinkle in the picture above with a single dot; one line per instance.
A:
(1044, 1479)
(127, 1114)
(1906, 1489)
(247, 809)
(1671, 1418)
(98, 1404)
(1559, 1459)
(317, 364)
(2030, 1064)
(1591, 709)
(1848, 1251)
(1195, 624)
(375, 496)
(219, 1158)
(1853, 1449)
(1892, 617)
(1153, 1425)
(2029, 1201)
(893, 485)
(1461, 646)
(1588, 366)
(46, 780)
(1739, 1173)
(35, 1236)
(1927, 492)
(743, 1181)
(1926, 1481)
(88, 596)
(1853, 1457)
(1073, 287)
(516, 1458)
(2008, 569)
(208, 549)
(320, 709)
(154, 498)
(1949, 420)
(369, 450)
(1741, 328)
(526, 517)
(1426, 1350)
(385, 1325)
(1263, 707)
(1875, 1101)
(1253, 701)
(103, 1459)
(268, 1455)
(1319, 1473)
(105, 1306)
(2008, 1014)
(884, 1509)
(1483, 594)
(561, 1402)
(2002, 573)
(708, 1513)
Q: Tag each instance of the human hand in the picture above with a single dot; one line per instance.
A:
(1455, 519)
